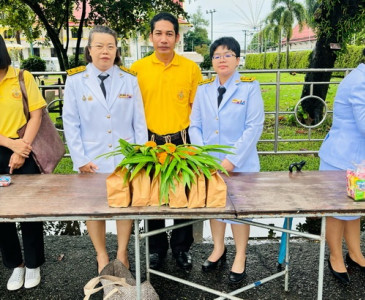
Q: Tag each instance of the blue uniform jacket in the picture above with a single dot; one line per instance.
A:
(344, 144)
(237, 122)
(94, 126)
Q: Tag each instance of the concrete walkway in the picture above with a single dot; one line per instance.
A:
(70, 263)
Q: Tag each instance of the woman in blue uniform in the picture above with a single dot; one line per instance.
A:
(228, 110)
(342, 149)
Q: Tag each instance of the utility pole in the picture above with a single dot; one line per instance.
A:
(211, 12)
(245, 47)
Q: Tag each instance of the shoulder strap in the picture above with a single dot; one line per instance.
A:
(90, 287)
(24, 94)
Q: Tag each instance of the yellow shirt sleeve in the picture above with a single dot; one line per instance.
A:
(11, 105)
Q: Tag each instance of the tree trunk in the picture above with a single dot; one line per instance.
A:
(52, 34)
(18, 41)
(279, 54)
(321, 57)
(287, 52)
(79, 32)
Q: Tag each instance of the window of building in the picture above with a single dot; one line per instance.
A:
(74, 33)
(81, 50)
(53, 52)
(9, 34)
(36, 52)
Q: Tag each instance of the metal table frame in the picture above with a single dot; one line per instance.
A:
(140, 236)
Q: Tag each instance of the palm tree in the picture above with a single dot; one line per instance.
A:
(273, 27)
(311, 8)
(287, 11)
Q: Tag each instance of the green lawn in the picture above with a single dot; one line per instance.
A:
(288, 129)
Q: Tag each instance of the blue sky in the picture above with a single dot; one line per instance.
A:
(231, 17)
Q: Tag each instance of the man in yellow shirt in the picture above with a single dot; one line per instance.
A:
(168, 83)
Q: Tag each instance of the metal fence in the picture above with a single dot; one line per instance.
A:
(53, 93)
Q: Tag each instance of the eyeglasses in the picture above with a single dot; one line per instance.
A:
(101, 47)
(226, 55)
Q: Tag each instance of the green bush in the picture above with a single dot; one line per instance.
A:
(350, 58)
(207, 62)
(149, 53)
(72, 63)
(297, 60)
(33, 64)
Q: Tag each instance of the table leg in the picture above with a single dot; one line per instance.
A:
(147, 251)
(321, 258)
(287, 241)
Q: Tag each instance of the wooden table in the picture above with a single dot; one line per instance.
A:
(56, 197)
(250, 195)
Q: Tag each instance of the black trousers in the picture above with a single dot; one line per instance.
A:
(32, 232)
(181, 238)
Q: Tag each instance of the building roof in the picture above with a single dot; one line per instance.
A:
(305, 35)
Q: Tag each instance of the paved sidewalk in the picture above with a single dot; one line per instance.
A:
(70, 263)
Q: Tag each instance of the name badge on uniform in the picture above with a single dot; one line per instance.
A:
(125, 96)
(16, 93)
(238, 101)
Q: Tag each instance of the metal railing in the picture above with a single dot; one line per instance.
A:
(53, 93)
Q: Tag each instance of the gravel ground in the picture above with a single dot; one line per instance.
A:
(70, 263)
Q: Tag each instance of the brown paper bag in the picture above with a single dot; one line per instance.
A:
(216, 191)
(155, 191)
(197, 192)
(177, 198)
(141, 186)
(118, 191)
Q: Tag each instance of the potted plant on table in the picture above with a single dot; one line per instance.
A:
(173, 165)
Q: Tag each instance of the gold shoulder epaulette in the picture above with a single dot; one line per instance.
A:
(76, 70)
(209, 80)
(247, 79)
(128, 70)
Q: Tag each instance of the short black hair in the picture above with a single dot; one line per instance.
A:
(102, 29)
(167, 17)
(226, 41)
(5, 60)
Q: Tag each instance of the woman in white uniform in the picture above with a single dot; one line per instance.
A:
(102, 104)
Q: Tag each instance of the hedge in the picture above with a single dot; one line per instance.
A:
(300, 59)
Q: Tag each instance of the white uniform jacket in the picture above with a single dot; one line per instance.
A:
(237, 122)
(94, 126)
(344, 144)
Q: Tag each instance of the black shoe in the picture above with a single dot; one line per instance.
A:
(352, 263)
(211, 265)
(343, 277)
(237, 277)
(156, 260)
(183, 260)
